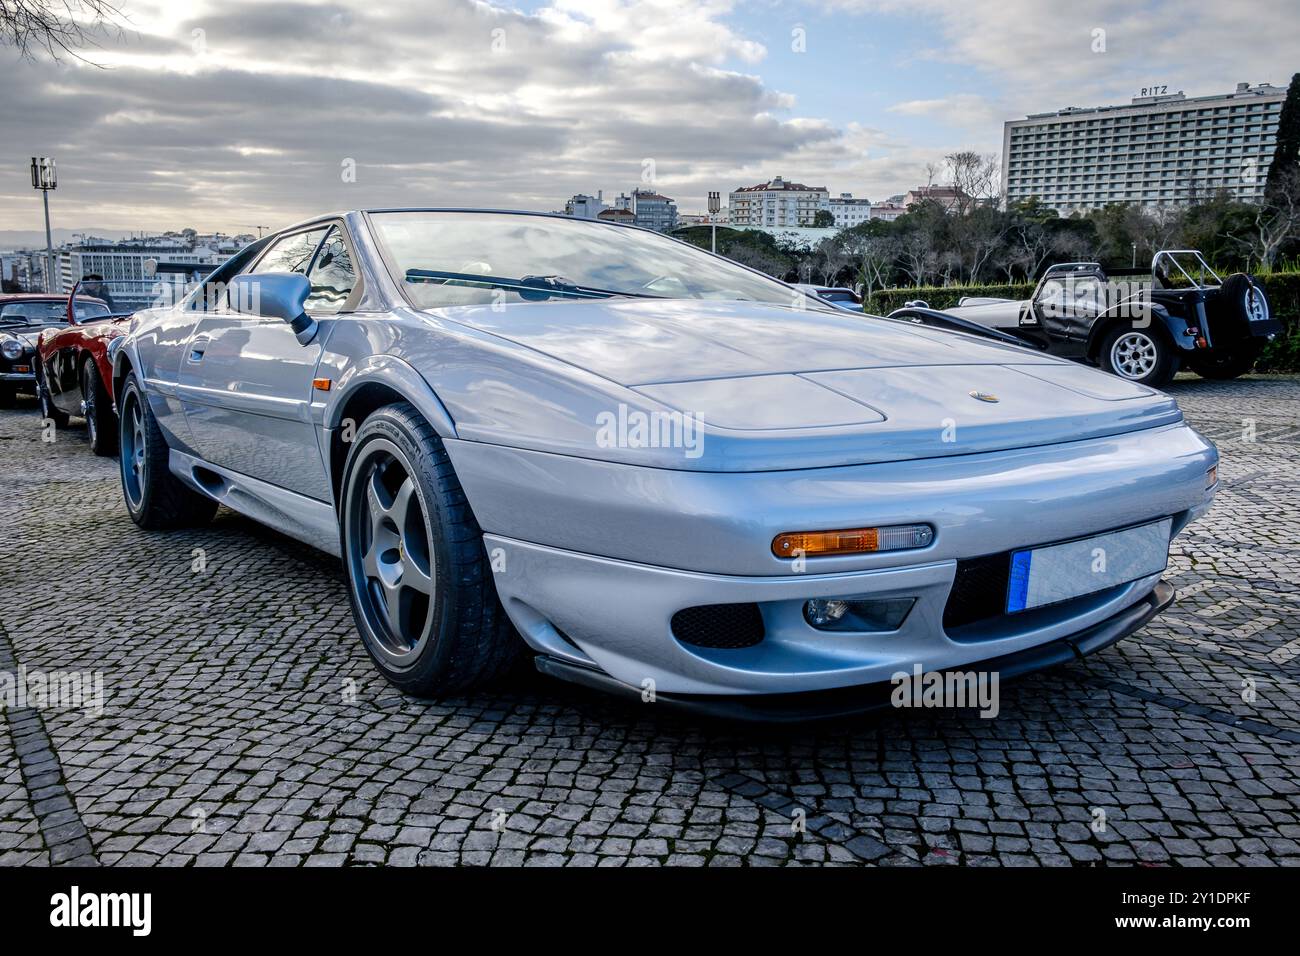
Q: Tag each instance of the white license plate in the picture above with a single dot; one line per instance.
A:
(1058, 572)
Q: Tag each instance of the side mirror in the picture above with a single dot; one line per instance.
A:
(275, 295)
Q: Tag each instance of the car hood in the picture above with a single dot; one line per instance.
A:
(773, 385)
(640, 341)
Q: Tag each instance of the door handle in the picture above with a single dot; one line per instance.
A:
(197, 348)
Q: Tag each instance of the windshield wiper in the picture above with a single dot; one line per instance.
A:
(530, 288)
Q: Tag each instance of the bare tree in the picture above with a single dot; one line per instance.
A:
(58, 28)
(759, 259)
(1277, 219)
(1028, 246)
(1162, 227)
(830, 258)
(1074, 247)
(916, 256)
(874, 256)
(975, 179)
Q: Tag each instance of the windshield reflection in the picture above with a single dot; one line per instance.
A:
(467, 258)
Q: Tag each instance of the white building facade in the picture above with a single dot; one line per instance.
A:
(849, 212)
(1161, 148)
(777, 204)
(583, 206)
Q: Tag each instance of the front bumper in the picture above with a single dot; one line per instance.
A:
(844, 702)
(18, 378)
(626, 548)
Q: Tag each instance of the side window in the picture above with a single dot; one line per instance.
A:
(291, 254)
(332, 277)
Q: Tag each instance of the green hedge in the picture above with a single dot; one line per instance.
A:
(1283, 353)
(1283, 288)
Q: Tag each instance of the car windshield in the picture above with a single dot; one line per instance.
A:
(43, 312)
(465, 258)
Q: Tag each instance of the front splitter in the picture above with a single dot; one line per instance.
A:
(849, 701)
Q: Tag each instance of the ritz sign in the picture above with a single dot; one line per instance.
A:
(1155, 91)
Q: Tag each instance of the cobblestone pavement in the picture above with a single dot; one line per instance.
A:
(243, 723)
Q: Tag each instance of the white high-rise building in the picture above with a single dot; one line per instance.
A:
(1161, 148)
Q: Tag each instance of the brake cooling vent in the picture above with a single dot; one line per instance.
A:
(979, 590)
(727, 626)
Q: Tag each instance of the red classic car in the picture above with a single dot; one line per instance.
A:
(74, 375)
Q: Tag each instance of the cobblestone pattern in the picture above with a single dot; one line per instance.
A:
(243, 722)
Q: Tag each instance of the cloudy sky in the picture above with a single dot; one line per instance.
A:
(227, 115)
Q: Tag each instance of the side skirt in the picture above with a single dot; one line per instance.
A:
(305, 519)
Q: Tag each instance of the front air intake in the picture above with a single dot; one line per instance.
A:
(979, 590)
(725, 626)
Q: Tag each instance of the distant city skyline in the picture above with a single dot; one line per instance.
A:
(229, 115)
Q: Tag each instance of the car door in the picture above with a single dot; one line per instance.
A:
(246, 381)
(1067, 306)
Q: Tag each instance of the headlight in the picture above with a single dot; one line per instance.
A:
(11, 349)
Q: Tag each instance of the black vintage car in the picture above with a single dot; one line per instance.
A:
(1140, 326)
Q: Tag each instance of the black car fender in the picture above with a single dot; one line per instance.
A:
(1175, 328)
(934, 318)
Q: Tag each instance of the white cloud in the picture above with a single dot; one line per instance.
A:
(966, 110)
(457, 102)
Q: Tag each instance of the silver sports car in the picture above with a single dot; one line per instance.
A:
(651, 469)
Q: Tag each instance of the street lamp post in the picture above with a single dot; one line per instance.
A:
(715, 203)
(44, 179)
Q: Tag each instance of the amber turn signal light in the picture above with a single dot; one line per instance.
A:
(321, 384)
(810, 544)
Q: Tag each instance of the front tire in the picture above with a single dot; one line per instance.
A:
(418, 575)
(8, 396)
(1143, 356)
(155, 498)
(101, 427)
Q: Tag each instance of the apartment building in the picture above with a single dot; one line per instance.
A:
(849, 211)
(777, 203)
(651, 210)
(583, 206)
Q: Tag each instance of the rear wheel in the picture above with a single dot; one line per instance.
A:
(101, 427)
(1139, 355)
(155, 498)
(48, 410)
(419, 579)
